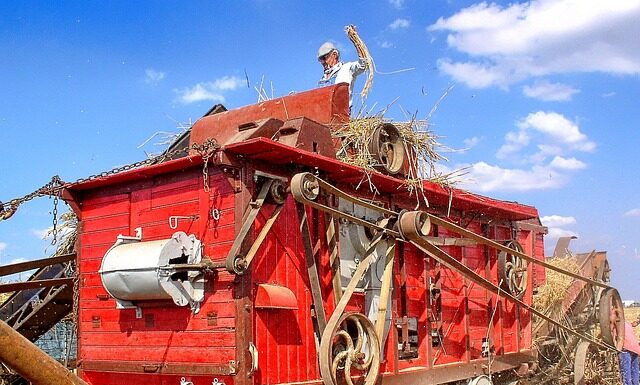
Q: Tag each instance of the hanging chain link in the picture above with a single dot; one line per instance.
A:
(55, 187)
(205, 151)
(54, 227)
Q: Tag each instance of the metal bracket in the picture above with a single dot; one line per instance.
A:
(173, 220)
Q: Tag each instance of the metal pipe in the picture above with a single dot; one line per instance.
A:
(30, 362)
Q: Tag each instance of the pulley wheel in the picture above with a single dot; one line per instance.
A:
(305, 185)
(387, 148)
(353, 351)
(278, 192)
(611, 318)
(513, 271)
(414, 223)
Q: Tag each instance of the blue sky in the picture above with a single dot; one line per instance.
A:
(544, 99)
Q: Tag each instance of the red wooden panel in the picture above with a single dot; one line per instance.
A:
(117, 220)
(147, 378)
(93, 252)
(213, 354)
(105, 206)
(155, 339)
(91, 265)
(102, 238)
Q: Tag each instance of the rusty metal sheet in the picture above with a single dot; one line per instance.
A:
(326, 105)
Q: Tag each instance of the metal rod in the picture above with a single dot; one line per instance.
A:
(35, 264)
(496, 245)
(458, 266)
(15, 286)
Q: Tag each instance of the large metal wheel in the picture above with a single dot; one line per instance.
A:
(611, 318)
(387, 148)
(593, 366)
(351, 349)
(513, 271)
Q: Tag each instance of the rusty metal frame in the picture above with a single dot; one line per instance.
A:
(35, 264)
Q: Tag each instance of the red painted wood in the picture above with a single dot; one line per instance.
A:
(285, 339)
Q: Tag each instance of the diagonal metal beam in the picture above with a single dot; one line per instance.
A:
(15, 286)
(485, 241)
(38, 263)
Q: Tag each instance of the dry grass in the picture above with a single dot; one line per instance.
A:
(419, 142)
(550, 296)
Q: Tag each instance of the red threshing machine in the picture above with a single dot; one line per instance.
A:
(257, 257)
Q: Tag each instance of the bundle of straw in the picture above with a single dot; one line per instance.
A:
(550, 296)
(420, 144)
(363, 52)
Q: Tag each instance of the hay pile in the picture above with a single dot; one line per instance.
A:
(68, 233)
(549, 298)
(420, 143)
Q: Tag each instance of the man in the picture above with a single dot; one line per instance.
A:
(336, 71)
(629, 368)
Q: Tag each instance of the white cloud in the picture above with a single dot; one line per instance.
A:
(540, 150)
(557, 232)
(212, 91)
(557, 127)
(397, 4)
(3, 246)
(484, 178)
(385, 44)
(399, 24)
(558, 133)
(567, 164)
(42, 234)
(17, 260)
(549, 92)
(633, 213)
(556, 225)
(557, 220)
(542, 37)
(608, 94)
(473, 75)
(47, 233)
(471, 142)
(152, 76)
(514, 141)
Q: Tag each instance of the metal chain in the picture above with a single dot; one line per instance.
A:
(54, 229)
(205, 152)
(55, 187)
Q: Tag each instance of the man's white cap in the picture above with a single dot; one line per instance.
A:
(326, 48)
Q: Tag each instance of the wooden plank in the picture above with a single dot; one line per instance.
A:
(30, 265)
(16, 286)
(312, 269)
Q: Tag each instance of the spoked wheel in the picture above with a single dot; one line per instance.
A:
(611, 318)
(387, 148)
(351, 349)
(593, 366)
(513, 271)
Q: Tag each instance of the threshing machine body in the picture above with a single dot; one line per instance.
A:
(261, 326)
